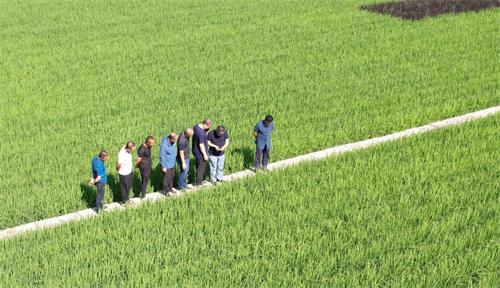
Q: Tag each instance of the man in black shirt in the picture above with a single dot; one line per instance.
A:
(218, 141)
(200, 148)
(183, 153)
(144, 163)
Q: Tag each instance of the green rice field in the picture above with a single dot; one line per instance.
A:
(78, 76)
(421, 212)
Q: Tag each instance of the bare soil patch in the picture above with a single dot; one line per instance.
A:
(418, 9)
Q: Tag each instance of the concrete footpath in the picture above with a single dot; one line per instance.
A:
(337, 150)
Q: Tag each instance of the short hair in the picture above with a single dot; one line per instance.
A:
(206, 121)
(172, 135)
(220, 129)
(149, 138)
(186, 130)
(103, 153)
(130, 144)
(269, 118)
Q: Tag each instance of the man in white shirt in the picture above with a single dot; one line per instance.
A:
(124, 168)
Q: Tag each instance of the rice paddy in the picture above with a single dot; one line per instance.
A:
(415, 213)
(77, 76)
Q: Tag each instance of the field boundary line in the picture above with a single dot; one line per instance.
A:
(322, 154)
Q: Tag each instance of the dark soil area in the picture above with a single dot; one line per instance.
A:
(418, 9)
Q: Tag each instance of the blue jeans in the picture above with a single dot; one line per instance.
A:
(183, 175)
(216, 168)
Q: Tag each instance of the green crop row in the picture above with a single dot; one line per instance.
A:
(421, 212)
(77, 76)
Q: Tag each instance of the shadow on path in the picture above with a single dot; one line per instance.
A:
(247, 154)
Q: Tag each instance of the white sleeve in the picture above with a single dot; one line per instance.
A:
(121, 158)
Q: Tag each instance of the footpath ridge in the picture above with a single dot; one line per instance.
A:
(337, 150)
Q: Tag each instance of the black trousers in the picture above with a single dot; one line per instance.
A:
(145, 176)
(125, 185)
(168, 180)
(201, 165)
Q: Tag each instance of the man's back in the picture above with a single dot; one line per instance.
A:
(199, 137)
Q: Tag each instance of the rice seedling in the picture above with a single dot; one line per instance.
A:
(414, 213)
(81, 75)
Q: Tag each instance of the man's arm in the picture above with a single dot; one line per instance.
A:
(96, 180)
(183, 159)
(99, 172)
(210, 144)
(255, 132)
(139, 157)
(163, 158)
(203, 151)
(119, 161)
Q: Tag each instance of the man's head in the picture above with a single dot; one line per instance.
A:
(150, 141)
(220, 130)
(172, 137)
(103, 155)
(188, 132)
(130, 146)
(206, 124)
(268, 120)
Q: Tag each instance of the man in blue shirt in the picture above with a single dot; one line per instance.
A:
(262, 134)
(99, 177)
(200, 148)
(168, 155)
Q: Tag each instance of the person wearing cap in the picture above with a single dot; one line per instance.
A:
(99, 177)
(124, 168)
(183, 154)
(168, 155)
(218, 141)
(143, 162)
(262, 135)
(200, 148)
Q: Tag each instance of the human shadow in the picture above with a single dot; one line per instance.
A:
(157, 175)
(114, 187)
(157, 178)
(192, 171)
(246, 154)
(88, 194)
(136, 184)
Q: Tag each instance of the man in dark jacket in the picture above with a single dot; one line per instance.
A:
(144, 163)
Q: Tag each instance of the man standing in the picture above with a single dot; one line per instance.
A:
(144, 163)
(262, 134)
(168, 155)
(99, 177)
(124, 168)
(183, 153)
(218, 140)
(200, 148)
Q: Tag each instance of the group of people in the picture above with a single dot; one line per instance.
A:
(207, 146)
